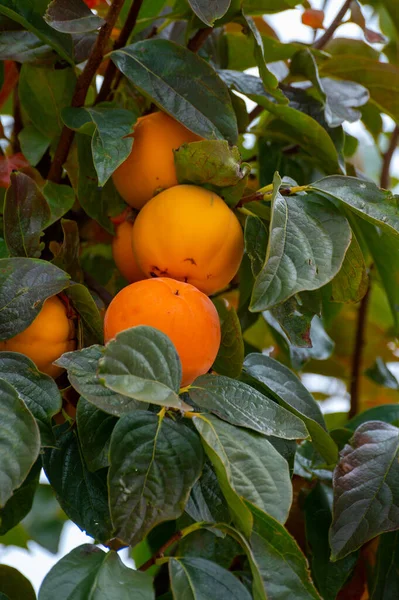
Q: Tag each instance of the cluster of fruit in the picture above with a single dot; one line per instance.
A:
(183, 245)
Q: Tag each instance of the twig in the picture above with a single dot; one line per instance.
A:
(255, 112)
(104, 294)
(18, 125)
(151, 561)
(387, 158)
(199, 39)
(327, 35)
(82, 87)
(119, 43)
(358, 354)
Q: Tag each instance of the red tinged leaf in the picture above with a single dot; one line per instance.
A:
(313, 18)
(11, 75)
(8, 164)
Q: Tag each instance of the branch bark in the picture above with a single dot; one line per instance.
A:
(327, 35)
(387, 158)
(119, 43)
(151, 561)
(82, 86)
(358, 354)
(199, 39)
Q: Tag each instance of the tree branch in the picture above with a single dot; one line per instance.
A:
(151, 561)
(327, 35)
(358, 354)
(82, 86)
(199, 39)
(119, 43)
(387, 158)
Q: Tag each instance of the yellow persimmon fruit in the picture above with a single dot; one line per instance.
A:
(122, 252)
(189, 233)
(51, 334)
(179, 310)
(150, 166)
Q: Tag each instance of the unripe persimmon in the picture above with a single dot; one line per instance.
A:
(179, 310)
(189, 233)
(122, 252)
(150, 166)
(51, 334)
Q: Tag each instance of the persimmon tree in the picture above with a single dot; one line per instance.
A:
(237, 485)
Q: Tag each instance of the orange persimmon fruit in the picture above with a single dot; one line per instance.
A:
(122, 252)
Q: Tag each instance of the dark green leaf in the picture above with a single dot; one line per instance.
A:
(88, 572)
(386, 574)
(208, 12)
(241, 404)
(26, 214)
(154, 464)
(261, 7)
(389, 413)
(295, 317)
(95, 428)
(206, 502)
(164, 71)
(13, 584)
(256, 237)
(142, 363)
(307, 244)
(282, 565)
(23, 46)
(33, 143)
(19, 441)
(288, 390)
(329, 577)
(82, 495)
(111, 143)
(82, 367)
(46, 520)
(72, 16)
(351, 282)
(231, 350)
(211, 545)
(89, 315)
(20, 503)
(365, 505)
(380, 373)
(248, 467)
(39, 391)
(193, 578)
(60, 199)
(66, 255)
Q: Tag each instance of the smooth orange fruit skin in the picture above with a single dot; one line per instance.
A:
(150, 165)
(122, 251)
(179, 310)
(189, 233)
(51, 334)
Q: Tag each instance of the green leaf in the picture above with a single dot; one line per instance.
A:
(295, 317)
(95, 428)
(164, 71)
(72, 16)
(39, 391)
(98, 203)
(206, 502)
(29, 15)
(231, 350)
(60, 199)
(13, 584)
(43, 93)
(389, 413)
(385, 576)
(142, 363)
(248, 467)
(89, 314)
(82, 495)
(23, 46)
(282, 565)
(328, 576)
(26, 214)
(261, 7)
(25, 283)
(351, 282)
(20, 503)
(88, 572)
(242, 405)
(19, 441)
(307, 244)
(45, 522)
(111, 143)
(210, 544)
(256, 237)
(82, 367)
(380, 373)
(194, 578)
(209, 12)
(364, 198)
(33, 143)
(365, 505)
(154, 464)
(288, 390)
(66, 255)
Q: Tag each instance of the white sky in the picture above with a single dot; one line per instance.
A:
(35, 562)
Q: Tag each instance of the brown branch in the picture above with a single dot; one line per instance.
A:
(387, 158)
(255, 112)
(327, 35)
(119, 43)
(255, 197)
(199, 39)
(151, 561)
(18, 125)
(82, 86)
(358, 354)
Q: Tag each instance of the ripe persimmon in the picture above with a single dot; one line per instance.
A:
(179, 310)
(189, 233)
(51, 334)
(150, 166)
(122, 252)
